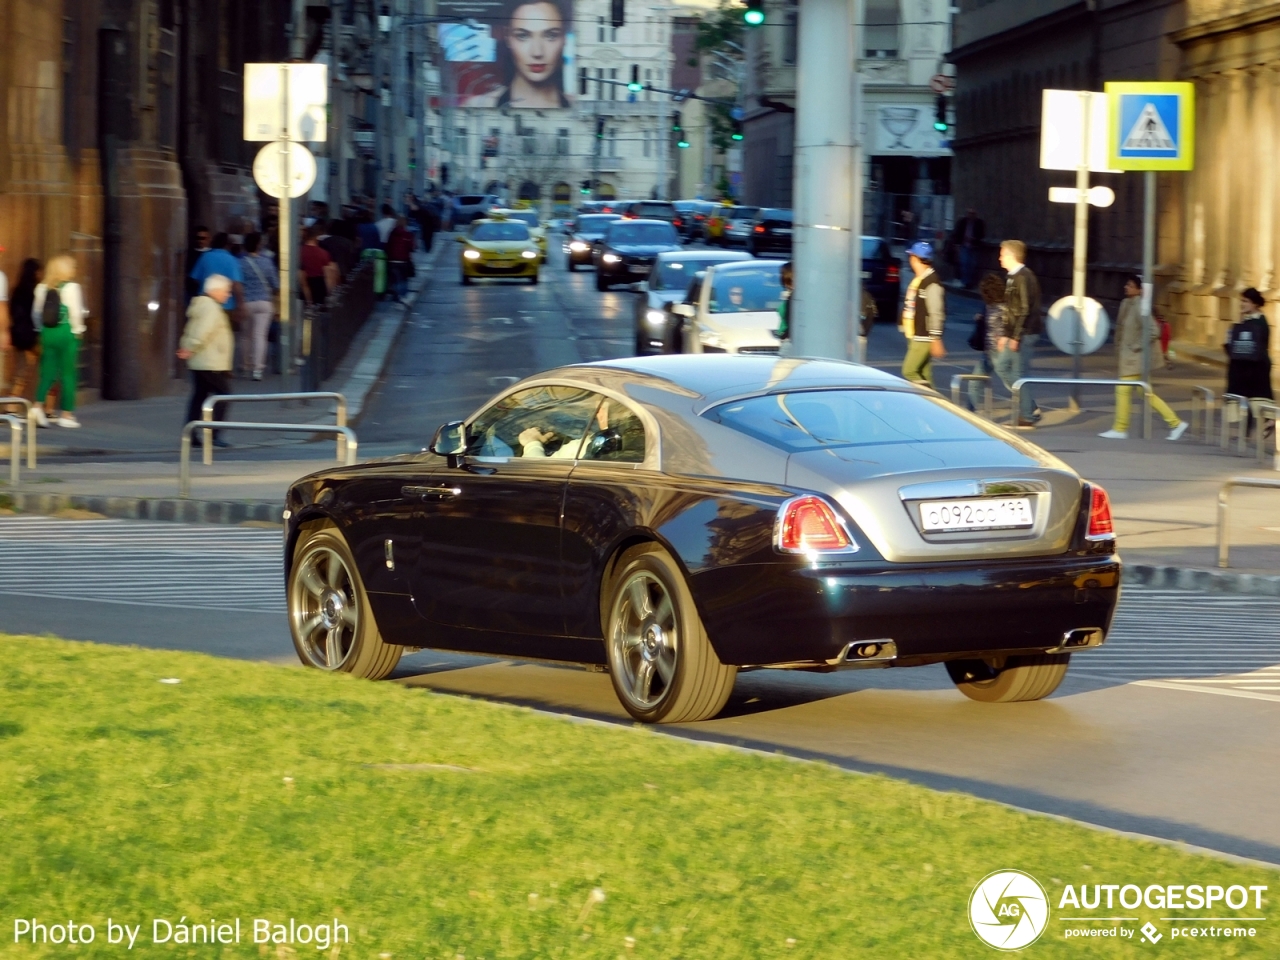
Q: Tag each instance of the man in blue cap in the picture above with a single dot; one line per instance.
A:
(924, 312)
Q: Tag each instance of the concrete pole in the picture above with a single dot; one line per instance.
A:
(825, 179)
(1148, 267)
(664, 144)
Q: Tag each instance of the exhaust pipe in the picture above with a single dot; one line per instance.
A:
(868, 653)
(1082, 638)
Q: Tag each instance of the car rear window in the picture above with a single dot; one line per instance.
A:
(470, 201)
(813, 419)
(756, 289)
(783, 216)
(653, 210)
(500, 231)
(744, 213)
(623, 232)
(872, 247)
(675, 274)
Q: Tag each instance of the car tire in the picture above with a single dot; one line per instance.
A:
(655, 638)
(533, 281)
(601, 282)
(466, 280)
(330, 618)
(573, 267)
(1009, 679)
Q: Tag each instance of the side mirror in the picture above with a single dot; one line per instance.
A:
(450, 440)
(686, 310)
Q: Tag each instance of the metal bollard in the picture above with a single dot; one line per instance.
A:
(1233, 402)
(15, 447)
(1224, 511)
(959, 379)
(1202, 408)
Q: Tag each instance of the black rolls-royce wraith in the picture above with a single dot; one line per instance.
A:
(678, 518)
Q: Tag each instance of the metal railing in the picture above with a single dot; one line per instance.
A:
(31, 427)
(1063, 381)
(1202, 408)
(340, 414)
(15, 445)
(1224, 510)
(184, 451)
(960, 379)
(1235, 409)
(1264, 410)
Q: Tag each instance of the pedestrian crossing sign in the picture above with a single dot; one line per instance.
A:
(1151, 126)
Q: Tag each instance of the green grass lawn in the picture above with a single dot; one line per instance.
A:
(438, 827)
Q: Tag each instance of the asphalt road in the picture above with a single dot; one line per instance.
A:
(1169, 730)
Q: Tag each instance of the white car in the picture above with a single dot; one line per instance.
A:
(733, 309)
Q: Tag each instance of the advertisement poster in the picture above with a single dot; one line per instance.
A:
(510, 53)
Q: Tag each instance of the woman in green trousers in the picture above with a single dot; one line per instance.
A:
(60, 340)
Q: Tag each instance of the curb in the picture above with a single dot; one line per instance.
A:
(1192, 580)
(225, 512)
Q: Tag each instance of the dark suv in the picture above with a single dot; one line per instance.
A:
(881, 276)
(629, 249)
(770, 232)
(653, 210)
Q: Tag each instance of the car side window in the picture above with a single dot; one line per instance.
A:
(540, 422)
(616, 435)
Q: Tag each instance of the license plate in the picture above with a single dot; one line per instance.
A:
(783, 233)
(987, 514)
(640, 269)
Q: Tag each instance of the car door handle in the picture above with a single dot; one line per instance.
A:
(422, 493)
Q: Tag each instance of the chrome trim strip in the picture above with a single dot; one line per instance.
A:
(1095, 637)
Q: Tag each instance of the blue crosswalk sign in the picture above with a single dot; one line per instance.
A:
(1152, 125)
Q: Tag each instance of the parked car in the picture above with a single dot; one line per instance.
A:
(629, 248)
(584, 237)
(732, 308)
(737, 226)
(677, 519)
(530, 219)
(881, 276)
(656, 331)
(469, 207)
(713, 226)
(770, 233)
(499, 248)
(693, 217)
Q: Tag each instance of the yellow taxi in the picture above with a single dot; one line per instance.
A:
(530, 219)
(499, 248)
(713, 227)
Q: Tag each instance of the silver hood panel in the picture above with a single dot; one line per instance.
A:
(880, 484)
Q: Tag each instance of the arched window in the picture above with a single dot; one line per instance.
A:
(530, 191)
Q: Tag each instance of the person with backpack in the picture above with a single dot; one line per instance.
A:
(400, 258)
(59, 303)
(23, 356)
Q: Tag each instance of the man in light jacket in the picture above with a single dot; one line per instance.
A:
(1129, 324)
(208, 345)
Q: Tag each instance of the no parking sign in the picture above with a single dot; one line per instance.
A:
(1151, 126)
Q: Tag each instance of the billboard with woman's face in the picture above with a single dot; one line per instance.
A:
(509, 53)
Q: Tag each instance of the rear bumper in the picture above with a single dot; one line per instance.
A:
(777, 614)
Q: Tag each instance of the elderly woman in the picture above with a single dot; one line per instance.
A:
(207, 345)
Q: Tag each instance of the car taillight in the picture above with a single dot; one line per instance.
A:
(676, 222)
(891, 273)
(1100, 526)
(809, 525)
(699, 216)
(760, 228)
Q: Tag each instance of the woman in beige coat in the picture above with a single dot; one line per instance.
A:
(1129, 324)
(207, 346)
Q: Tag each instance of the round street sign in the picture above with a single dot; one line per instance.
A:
(1063, 331)
(941, 83)
(267, 169)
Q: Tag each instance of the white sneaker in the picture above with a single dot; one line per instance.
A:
(1115, 435)
(257, 374)
(39, 417)
(66, 420)
(1179, 430)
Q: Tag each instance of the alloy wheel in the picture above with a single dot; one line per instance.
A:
(324, 608)
(645, 640)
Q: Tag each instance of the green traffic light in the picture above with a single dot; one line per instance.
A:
(753, 18)
(737, 136)
(635, 87)
(940, 126)
(682, 144)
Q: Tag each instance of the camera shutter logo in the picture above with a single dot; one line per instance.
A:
(1008, 910)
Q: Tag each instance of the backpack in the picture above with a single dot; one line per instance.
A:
(51, 315)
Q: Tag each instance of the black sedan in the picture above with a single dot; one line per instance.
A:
(881, 277)
(585, 235)
(770, 233)
(675, 519)
(629, 248)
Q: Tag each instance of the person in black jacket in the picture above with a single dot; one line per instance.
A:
(1024, 321)
(21, 361)
(1248, 350)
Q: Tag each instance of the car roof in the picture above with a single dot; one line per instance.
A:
(663, 223)
(697, 255)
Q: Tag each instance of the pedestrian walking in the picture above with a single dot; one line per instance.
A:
(867, 318)
(59, 303)
(924, 314)
(207, 345)
(386, 224)
(200, 245)
(260, 284)
(221, 261)
(22, 359)
(400, 258)
(318, 274)
(5, 332)
(786, 276)
(967, 239)
(1025, 323)
(1248, 349)
(367, 232)
(1131, 329)
(341, 249)
(989, 327)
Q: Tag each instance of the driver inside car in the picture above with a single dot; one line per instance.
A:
(534, 440)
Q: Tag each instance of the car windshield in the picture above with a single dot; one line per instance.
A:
(596, 223)
(838, 418)
(524, 216)
(756, 290)
(500, 231)
(675, 274)
(642, 233)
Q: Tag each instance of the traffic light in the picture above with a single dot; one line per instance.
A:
(753, 16)
(618, 12)
(737, 133)
(678, 130)
(940, 114)
(635, 86)
(599, 128)
(585, 187)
